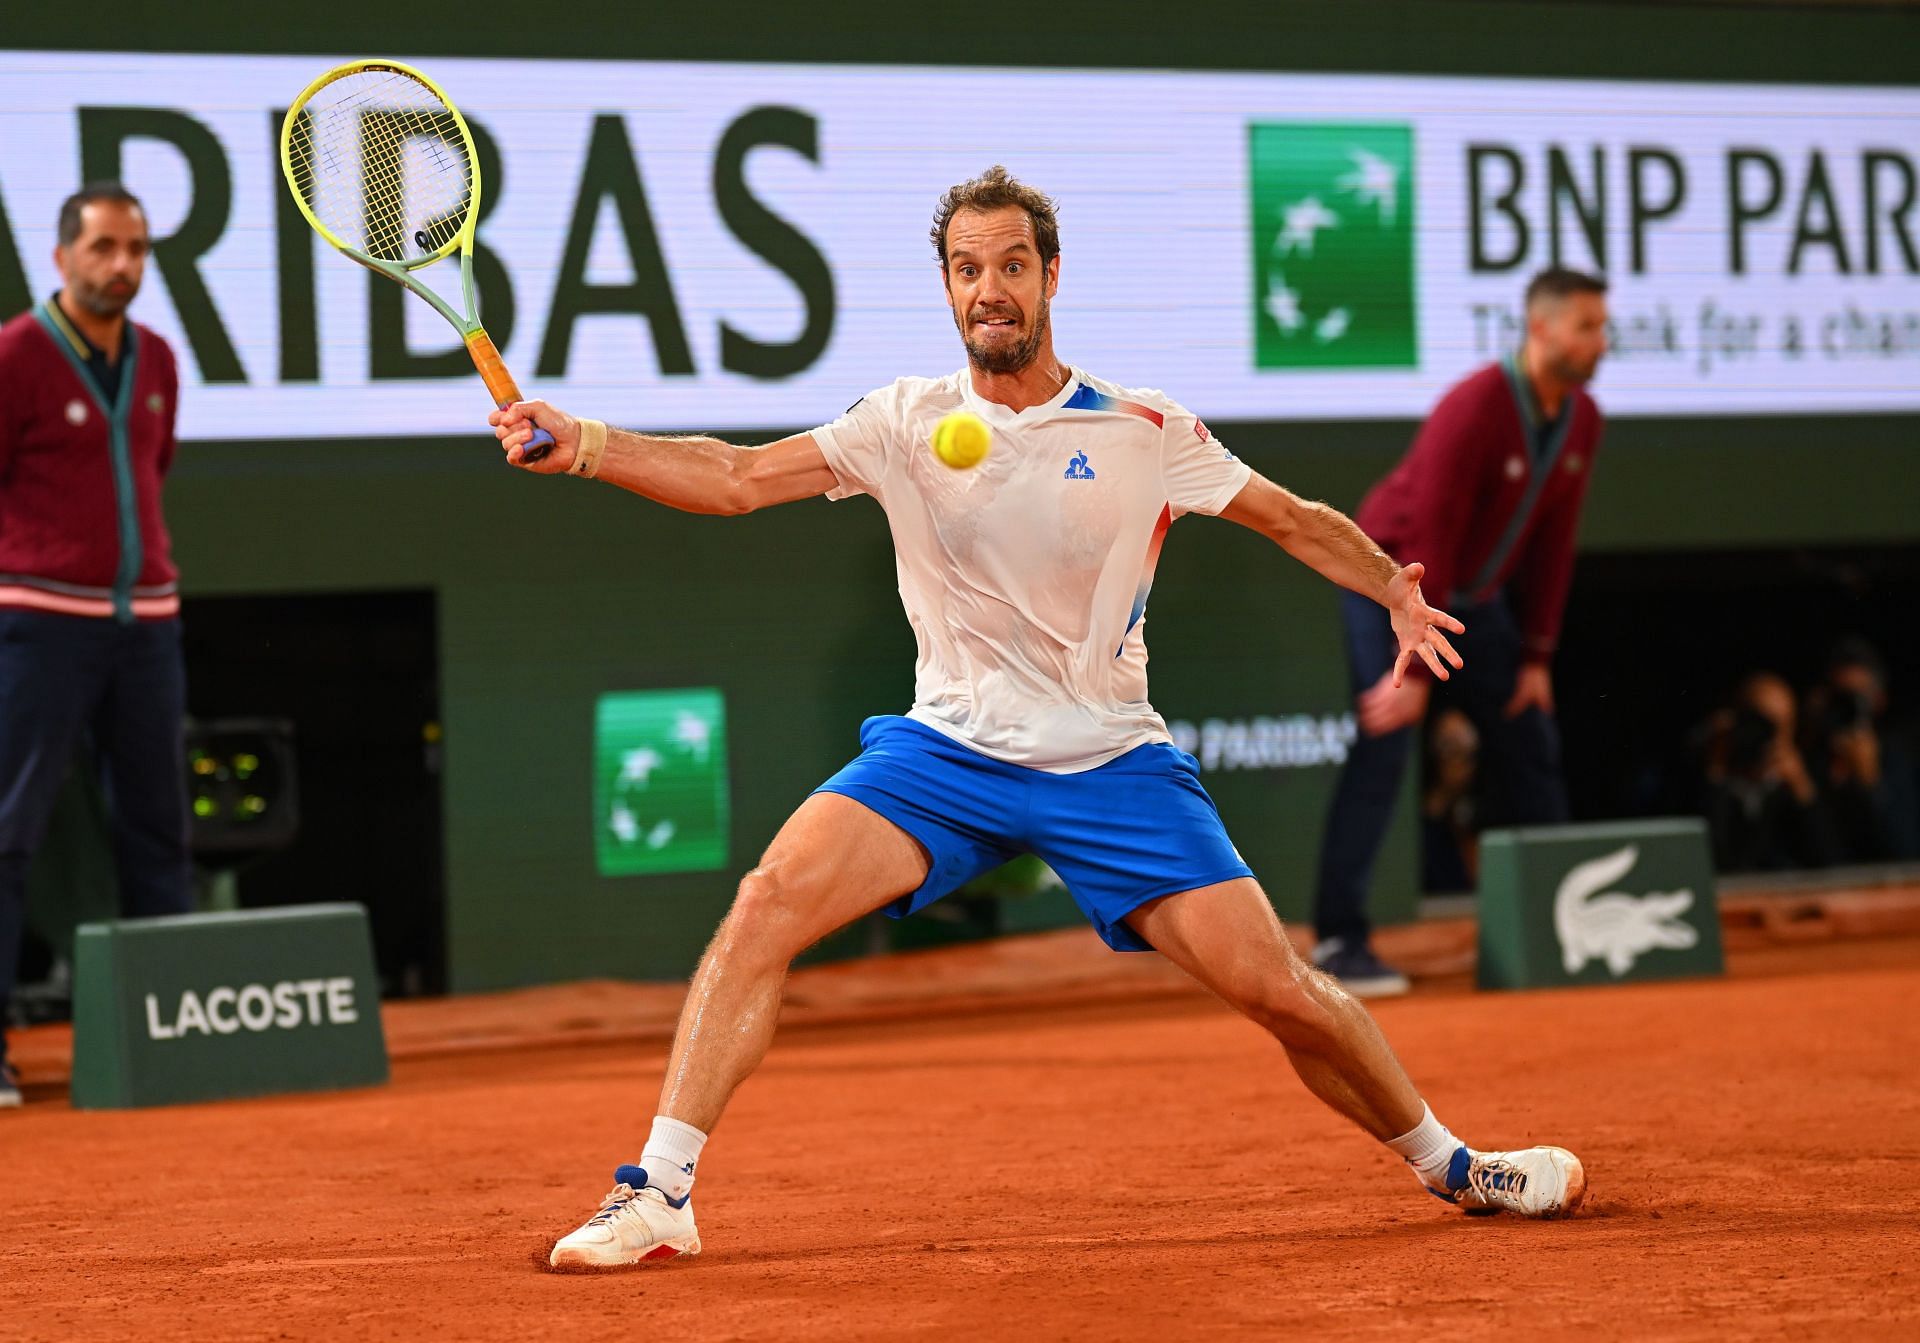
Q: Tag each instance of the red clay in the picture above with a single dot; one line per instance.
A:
(1098, 1171)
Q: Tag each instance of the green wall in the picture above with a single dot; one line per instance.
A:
(552, 592)
(1811, 43)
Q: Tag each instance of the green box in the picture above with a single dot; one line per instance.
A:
(1597, 904)
(660, 797)
(1333, 245)
(203, 1007)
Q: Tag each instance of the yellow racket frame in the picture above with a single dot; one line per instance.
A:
(486, 358)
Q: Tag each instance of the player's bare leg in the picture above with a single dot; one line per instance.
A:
(833, 861)
(1228, 937)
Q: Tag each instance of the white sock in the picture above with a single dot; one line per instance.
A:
(672, 1150)
(1428, 1149)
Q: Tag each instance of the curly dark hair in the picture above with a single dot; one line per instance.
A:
(992, 190)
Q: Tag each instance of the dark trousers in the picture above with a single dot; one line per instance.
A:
(69, 679)
(1520, 781)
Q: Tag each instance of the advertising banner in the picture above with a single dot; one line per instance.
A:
(740, 247)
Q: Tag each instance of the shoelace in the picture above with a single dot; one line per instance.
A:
(620, 1196)
(1494, 1180)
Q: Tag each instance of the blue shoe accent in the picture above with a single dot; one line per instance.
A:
(636, 1178)
(1457, 1169)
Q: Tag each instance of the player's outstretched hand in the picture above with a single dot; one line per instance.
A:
(1417, 626)
(514, 426)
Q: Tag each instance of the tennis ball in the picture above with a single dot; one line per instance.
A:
(961, 440)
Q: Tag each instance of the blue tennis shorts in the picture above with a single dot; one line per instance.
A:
(1137, 828)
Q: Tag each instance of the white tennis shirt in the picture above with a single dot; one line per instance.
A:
(1025, 578)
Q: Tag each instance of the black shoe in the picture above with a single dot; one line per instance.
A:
(1359, 971)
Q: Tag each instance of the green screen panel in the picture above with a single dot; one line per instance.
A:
(660, 797)
(1332, 233)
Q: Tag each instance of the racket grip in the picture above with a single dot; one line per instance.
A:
(537, 445)
(500, 384)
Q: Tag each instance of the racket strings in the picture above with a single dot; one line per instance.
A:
(381, 162)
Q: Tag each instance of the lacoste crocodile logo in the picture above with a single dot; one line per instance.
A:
(1595, 924)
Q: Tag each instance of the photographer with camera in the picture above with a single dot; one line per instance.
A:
(1761, 804)
(1864, 773)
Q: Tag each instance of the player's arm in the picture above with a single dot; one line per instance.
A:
(693, 474)
(1328, 542)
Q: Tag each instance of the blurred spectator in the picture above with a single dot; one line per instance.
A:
(1449, 840)
(1864, 773)
(89, 615)
(1488, 499)
(1758, 795)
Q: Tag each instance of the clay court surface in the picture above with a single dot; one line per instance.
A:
(1114, 1157)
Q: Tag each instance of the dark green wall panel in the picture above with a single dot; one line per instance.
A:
(552, 592)
(1814, 43)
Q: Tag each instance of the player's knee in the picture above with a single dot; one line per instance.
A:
(1286, 1007)
(766, 918)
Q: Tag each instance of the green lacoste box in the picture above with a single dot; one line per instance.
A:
(209, 1006)
(1597, 904)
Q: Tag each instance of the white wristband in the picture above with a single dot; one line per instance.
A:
(593, 442)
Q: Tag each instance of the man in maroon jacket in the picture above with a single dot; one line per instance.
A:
(1489, 500)
(89, 628)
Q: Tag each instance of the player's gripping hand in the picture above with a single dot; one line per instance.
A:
(514, 426)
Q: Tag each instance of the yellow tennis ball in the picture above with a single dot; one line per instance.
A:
(961, 440)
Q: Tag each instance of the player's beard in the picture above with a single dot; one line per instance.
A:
(1009, 358)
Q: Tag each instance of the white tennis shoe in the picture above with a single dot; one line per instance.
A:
(1543, 1182)
(636, 1224)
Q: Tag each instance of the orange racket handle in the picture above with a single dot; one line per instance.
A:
(504, 391)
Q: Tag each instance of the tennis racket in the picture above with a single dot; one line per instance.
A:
(381, 163)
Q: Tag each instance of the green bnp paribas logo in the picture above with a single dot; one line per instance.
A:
(1332, 245)
(660, 796)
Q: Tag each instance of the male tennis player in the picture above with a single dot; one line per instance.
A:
(1025, 581)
